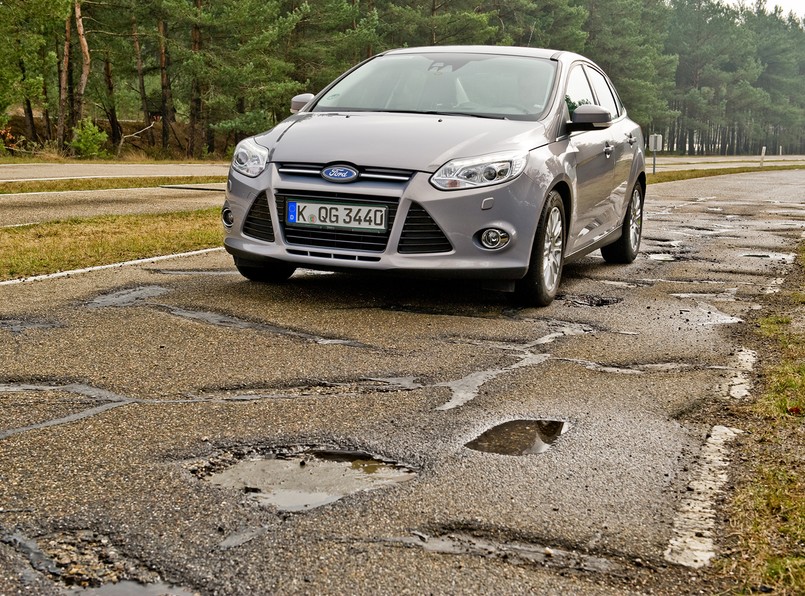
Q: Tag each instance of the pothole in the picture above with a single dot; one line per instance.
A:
(787, 258)
(520, 437)
(17, 326)
(141, 296)
(587, 300)
(514, 552)
(86, 562)
(300, 479)
(662, 257)
(127, 297)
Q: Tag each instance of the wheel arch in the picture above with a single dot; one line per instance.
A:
(643, 181)
(564, 191)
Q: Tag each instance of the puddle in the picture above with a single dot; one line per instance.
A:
(707, 315)
(220, 320)
(780, 257)
(128, 297)
(17, 326)
(466, 389)
(308, 479)
(637, 369)
(130, 588)
(662, 257)
(103, 400)
(728, 295)
(210, 272)
(520, 437)
(510, 551)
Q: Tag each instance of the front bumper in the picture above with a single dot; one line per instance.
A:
(431, 232)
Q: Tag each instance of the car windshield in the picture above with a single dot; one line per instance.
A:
(482, 85)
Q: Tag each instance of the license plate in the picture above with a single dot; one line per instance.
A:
(363, 218)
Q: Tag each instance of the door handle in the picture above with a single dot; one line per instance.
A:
(608, 149)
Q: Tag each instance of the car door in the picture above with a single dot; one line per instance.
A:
(623, 141)
(595, 171)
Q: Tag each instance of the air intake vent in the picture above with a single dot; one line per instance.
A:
(421, 235)
(258, 221)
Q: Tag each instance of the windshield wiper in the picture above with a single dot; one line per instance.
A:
(471, 114)
(445, 113)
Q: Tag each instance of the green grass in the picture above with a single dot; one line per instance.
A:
(676, 175)
(103, 183)
(85, 242)
(767, 513)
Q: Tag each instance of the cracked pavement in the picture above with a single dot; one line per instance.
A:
(111, 379)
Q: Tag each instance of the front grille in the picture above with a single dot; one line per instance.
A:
(364, 173)
(421, 235)
(336, 239)
(258, 220)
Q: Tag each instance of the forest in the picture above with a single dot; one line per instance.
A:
(189, 78)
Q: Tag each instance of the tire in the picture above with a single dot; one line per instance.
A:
(541, 282)
(270, 272)
(624, 250)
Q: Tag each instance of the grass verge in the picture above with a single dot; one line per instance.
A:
(675, 175)
(767, 512)
(66, 184)
(86, 242)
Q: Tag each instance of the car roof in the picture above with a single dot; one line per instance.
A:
(497, 50)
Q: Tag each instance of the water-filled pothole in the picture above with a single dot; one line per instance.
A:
(301, 480)
(520, 437)
(17, 326)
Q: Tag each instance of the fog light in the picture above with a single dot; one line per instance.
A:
(494, 238)
(227, 217)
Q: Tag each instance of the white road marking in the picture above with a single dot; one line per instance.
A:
(692, 542)
(110, 266)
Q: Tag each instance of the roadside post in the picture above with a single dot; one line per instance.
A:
(654, 144)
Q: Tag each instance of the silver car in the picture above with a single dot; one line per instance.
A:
(500, 163)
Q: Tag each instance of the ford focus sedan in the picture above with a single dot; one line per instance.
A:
(498, 163)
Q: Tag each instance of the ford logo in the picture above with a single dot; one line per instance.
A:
(340, 174)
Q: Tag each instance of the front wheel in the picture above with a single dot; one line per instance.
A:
(541, 282)
(272, 272)
(624, 250)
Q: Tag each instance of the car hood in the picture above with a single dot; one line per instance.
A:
(422, 142)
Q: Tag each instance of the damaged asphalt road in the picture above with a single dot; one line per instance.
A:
(125, 392)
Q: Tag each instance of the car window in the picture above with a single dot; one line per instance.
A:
(578, 92)
(514, 87)
(606, 99)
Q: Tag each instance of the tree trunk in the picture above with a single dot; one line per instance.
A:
(85, 65)
(138, 57)
(165, 81)
(194, 140)
(45, 112)
(30, 123)
(111, 109)
(65, 67)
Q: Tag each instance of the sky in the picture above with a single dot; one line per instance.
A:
(798, 6)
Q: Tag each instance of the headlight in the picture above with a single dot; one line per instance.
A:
(479, 171)
(250, 158)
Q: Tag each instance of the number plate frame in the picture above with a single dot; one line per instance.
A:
(325, 215)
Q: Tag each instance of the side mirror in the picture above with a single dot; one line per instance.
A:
(300, 101)
(589, 117)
